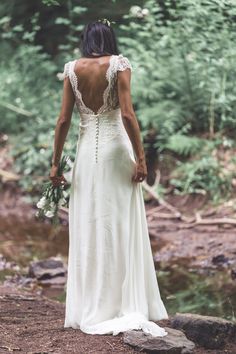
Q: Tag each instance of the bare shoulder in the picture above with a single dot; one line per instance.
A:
(123, 63)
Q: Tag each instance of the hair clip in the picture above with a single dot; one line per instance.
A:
(105, 21)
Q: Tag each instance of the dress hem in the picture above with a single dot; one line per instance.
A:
(131, 321)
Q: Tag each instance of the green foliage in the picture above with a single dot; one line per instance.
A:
(182, 86)
(50, 2)
(30, 103)
(22, 79)
(183, 55)
(204, 174)
(183, 83)
(184, 145)
(30, 94)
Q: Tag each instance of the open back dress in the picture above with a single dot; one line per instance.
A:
(111, 284)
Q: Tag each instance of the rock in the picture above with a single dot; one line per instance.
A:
(175, 342)
(220, 259)
(48, 271)
(209, 332)
(233, 274)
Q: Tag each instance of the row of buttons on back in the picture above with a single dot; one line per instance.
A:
(96, 138)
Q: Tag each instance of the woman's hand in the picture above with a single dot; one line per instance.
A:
(140, 171)
(56, 180)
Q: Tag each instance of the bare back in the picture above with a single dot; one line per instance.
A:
(92, 81)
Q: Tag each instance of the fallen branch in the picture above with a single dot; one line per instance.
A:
(18, 297)
(8, 176)
(218, 221)
(162, 216)
(16, 109)
(9, 348)
(161, 201)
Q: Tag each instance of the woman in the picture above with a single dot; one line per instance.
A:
(111, 285)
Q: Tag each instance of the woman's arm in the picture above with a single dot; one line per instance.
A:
(62, 127)
(131, 124)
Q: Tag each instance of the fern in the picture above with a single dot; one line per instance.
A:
(184, 145)
(203, 175)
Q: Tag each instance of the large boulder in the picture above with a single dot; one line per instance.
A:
(48, 271)
(175, 342)
(209, 332)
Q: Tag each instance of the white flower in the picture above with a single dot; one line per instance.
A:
(68, 176)
(60, 76)
(191, 56)
(49, 214)
(138, 12)
(41, 203)
(65, 194)
(52, 205)
(76, 51)
(135, 11)
(9, 80)
(70, 163)
(60, 203)
(145, 12)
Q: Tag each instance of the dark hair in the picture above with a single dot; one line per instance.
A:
(98, 37)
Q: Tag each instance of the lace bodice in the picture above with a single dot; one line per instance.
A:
(110, 94)
(98, 130)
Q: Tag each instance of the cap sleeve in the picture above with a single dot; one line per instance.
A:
(123, 63)
(62, 76)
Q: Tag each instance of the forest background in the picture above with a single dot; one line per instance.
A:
(183, 86)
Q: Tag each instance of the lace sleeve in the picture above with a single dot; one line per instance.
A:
(123, 63)
(62, 76)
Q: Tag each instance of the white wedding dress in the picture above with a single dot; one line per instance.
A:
(111, 284)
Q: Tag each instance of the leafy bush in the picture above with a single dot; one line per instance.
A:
(29, 105)
(25, 89)
(183, 53)
(183, 85)
(184, 145)
(205, 174)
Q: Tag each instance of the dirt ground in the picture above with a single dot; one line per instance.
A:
(32, 324)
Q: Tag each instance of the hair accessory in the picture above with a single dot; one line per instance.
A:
(105, 21)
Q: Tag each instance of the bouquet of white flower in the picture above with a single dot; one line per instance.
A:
(53, 197)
